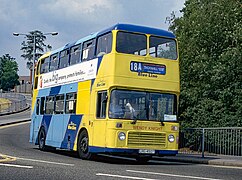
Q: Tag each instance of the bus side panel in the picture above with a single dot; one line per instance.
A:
(59, 122)
(71, 129)
(36, 120)
(33, 115)
(82, 107)
(98, 125)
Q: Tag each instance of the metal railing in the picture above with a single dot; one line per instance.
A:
(17, 103)
(23, 88)
(224, 140)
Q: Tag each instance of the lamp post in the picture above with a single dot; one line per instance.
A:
(34, 49)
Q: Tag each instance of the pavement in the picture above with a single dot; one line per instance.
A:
(218, 160)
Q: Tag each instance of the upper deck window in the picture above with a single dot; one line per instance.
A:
(131, 43)
(44, 66)
(54, 62)
(64, 58)
(104, 44)
(163, 47)
(88, 50)
(75, 54)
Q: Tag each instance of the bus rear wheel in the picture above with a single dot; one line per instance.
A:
(41, 139)
(83, 146)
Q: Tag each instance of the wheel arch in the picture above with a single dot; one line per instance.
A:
(82, 129)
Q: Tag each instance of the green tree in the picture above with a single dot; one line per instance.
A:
(9, 72)
(28, 48)
(209, 35)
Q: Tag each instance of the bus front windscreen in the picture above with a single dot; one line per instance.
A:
(134, 43)
(137, 105)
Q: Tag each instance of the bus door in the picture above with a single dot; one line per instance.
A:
(100, 121)
(36, 120)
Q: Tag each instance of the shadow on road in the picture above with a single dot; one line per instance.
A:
(110, 159)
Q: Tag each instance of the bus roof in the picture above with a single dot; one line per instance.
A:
(123, 27)
(140, 29)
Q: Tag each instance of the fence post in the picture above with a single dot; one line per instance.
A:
(202, 142)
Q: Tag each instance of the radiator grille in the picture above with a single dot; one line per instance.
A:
(146, 139)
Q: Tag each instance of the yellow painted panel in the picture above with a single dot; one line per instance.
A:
(34, 99)
(83, 97)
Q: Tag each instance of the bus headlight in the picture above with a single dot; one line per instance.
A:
(121, 136)
(171, 138)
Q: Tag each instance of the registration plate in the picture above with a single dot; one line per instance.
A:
(146, 151)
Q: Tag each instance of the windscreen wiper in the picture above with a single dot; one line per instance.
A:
(134, 121)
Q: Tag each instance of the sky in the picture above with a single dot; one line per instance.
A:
(74, 19)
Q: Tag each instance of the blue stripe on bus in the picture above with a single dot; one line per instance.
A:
(43, 92)
(98, 65)
(55, 90)
(68, 88)
(94, 149)
(92, 82)
(46, 122)
(75, 120)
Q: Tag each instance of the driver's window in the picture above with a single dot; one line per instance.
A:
(101, 104)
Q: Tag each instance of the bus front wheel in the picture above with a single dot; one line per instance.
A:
(83, 146)
(41, 138)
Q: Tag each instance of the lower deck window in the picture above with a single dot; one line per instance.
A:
(71, 103)
(49, 105)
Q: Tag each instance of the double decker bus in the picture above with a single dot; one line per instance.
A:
(113, 92)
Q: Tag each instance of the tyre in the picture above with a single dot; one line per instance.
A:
(41, 139)
(83, 146)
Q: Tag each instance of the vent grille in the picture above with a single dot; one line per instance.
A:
(146, 139)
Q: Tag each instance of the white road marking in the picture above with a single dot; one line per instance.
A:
(12, 125)
(124, 177)
(217, 166)
(171, 175)
(15, 165)
(48, 162)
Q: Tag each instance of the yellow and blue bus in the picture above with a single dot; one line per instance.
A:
(113, 92)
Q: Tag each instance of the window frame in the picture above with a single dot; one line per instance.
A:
(43, 63)
(67, 100)
(89, 45)
(42, 105)
(37, 110)
(52, 60)
(48, 98)
(73, 52)
(109, 48)
(101, 105)
(140, 102)
(135, 51)
(156, 47)
(66, 56)
(61, 111)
